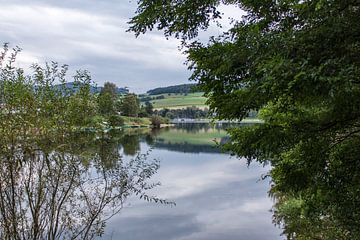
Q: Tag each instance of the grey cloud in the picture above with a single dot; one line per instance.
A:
(223, 212)
(92, 35)
(159, 227)
(230, 206)
(119, 7)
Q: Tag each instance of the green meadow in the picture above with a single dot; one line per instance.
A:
(177, 101)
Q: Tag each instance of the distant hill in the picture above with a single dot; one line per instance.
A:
(183, 88)
(93, 89)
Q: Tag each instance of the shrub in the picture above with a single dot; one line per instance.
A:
(116, 120)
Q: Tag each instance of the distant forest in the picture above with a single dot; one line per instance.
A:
(93, 89)
(183, 88)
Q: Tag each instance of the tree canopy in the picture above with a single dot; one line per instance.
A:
(130, 105)
(297, 63)
(107, 99)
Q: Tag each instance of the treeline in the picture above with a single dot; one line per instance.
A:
(189, 112)
(183, 88)
(144, 98)
(74, 87)
(112, 108)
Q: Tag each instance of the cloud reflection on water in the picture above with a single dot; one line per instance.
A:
(217, 197)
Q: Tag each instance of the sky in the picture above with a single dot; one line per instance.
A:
(91, 35)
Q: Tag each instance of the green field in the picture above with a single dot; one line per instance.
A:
(177, 101)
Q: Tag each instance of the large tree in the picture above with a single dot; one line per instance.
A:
(130, 105)
(297, 63)
(107, 99)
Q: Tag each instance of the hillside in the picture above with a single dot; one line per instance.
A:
(176, 101)
(180, 89)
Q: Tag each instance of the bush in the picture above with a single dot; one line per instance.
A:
(116, 121)
(156, 121)
(160, 97)
(143, 114)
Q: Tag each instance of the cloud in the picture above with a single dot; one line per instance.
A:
(84, 38)
(90, 34)
(220, 198)
(211, 171)
(157, 226)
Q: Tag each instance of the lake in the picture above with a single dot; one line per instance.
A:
(172, 183)
(217, 196)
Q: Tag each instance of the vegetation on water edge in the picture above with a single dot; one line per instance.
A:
(297, 63)
(57, 183)
(136, 121)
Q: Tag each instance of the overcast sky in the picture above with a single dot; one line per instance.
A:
(91, 34)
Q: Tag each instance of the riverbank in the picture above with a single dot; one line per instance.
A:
(137, 122)
(207, 120)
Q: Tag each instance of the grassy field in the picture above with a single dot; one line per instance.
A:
(178, 101)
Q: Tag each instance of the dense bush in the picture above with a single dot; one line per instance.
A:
(156, 121)
(116, 121)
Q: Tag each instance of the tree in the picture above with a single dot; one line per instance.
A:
(297, 62)
(109, 88)
(130, 105)
(156, 121)
(107, 99)
(50, 186)
(149, 108)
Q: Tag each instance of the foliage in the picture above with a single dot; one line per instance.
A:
(159, 97)
(130, 105)
(116, 121)
(297, 62)
(109, 88)
(189, 112)
(73, 86)
(136, 121)
(156, 121)
(149, 108)
(182, 89)
(107, 99)
(52, 186)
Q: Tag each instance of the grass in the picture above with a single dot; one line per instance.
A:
(136, 121)
(178, 101)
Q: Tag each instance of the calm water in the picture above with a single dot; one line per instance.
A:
(216, 196)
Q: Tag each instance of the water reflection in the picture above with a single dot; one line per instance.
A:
(217, 197)
(189, 138)
(67, 187)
